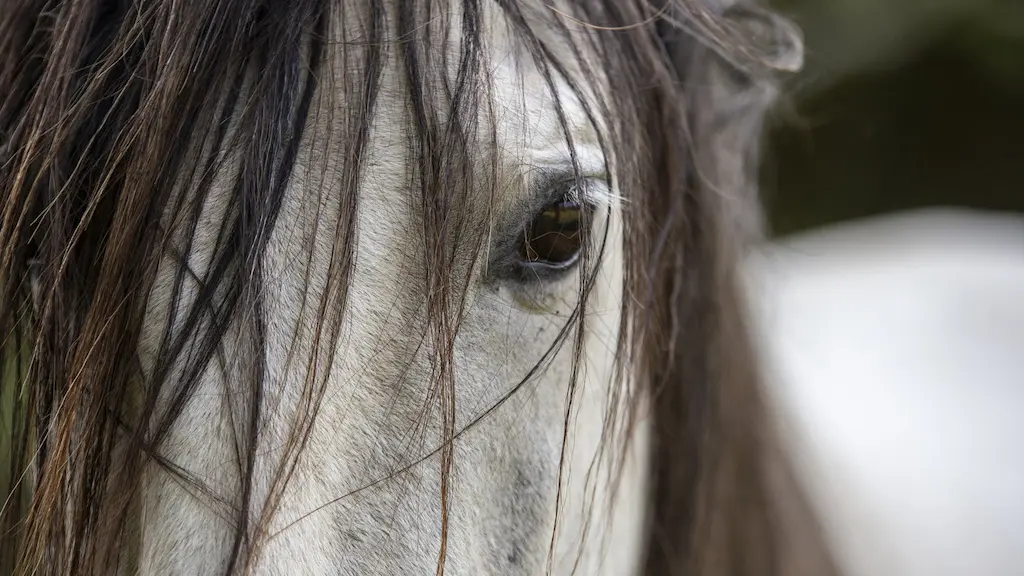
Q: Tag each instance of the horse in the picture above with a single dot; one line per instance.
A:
(388, 287)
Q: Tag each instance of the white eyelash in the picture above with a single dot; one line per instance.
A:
(598, 192)
(592, 170)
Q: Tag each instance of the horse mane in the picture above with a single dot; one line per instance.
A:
(114, 120)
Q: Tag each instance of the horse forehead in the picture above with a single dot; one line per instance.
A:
(528, 106)
(527, 97)
(522, 99)
(529, 118)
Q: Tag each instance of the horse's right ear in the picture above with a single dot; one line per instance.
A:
(753, 40)
(765, 41)
(728, 56)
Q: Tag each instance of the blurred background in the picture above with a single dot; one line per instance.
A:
(890, 305)
(903, 104)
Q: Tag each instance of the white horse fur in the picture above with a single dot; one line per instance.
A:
(505, 467)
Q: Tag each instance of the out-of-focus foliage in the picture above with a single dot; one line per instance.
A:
(903, 103)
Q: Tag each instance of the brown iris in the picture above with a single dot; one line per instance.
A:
(555, 236)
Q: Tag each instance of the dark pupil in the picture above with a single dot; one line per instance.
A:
(554, 235)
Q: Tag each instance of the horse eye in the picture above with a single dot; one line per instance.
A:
(554, 238)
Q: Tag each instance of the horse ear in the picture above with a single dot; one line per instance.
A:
(753, 39)
(766, 40)
(730, 57)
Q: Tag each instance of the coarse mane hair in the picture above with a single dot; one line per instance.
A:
(115, 119)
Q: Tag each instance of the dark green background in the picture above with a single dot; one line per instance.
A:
(928, 112)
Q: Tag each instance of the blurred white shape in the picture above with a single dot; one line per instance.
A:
(895, 349)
